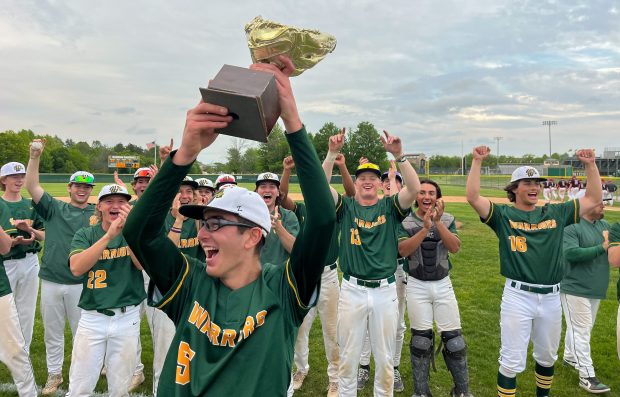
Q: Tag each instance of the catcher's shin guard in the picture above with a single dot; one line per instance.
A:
(455, 355)
(421, 349)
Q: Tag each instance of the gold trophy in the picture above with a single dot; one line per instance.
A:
(251, 96)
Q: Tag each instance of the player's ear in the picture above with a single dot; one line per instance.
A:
(254, 236)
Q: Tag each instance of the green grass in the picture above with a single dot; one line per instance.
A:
(478, 286)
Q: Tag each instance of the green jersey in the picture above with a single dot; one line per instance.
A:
(113, 281)
(586, 269)
(332, 250)
(614, 240)
(273, 251)
(5, 215)
(61, 221)
(23, 210)
(188, 244)
(530, 242)
(232, 342)
(369, 237)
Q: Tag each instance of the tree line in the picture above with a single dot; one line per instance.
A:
(363, 141)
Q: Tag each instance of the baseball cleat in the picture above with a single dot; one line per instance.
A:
(136, 381)
(53, 381)
(593, 385)
(398, 382)
(332, 389)
(363, 375)
(298, 380)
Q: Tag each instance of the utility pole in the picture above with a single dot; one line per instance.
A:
(549, 123)
(498, 138)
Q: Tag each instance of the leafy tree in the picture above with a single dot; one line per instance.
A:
(321, 138)
(273, 151)
(364, 142)
(250, 161)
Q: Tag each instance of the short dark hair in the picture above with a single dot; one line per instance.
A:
(509, 191)
(429, 182)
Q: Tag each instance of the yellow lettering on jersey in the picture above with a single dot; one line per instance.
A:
(248, 327)
(183, 243)
(207, 323)
(260, 317)
(105, 254)
(533, 227)
(184, 356)
(370, 224)
(113, 253)
(228, 337)
(214, 333)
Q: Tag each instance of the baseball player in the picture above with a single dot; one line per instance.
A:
(327, 305)
(224, 180)
(181, 229)
(547, 190)
(13, 350)
(285, 225)
(574, 185)
(60, 290)
(367, 256)
(206, 190)
(392, 183)
(584, 285)
(553, 189)
(530, 249)
(562, 185)
(109, 326)
(613, 254)
(431, 238)
(609, 188)
(236, 321)
(22, 262)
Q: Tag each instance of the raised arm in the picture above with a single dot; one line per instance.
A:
(335, 144)
(285, 201)
(480, 204)
(409, 192)
(594, 189)
(347, 181)
(144, 230)
(32, 171)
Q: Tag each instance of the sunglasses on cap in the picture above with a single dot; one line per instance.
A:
(142, 174)
(88, 179)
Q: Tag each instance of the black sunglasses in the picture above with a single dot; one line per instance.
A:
(214, 224)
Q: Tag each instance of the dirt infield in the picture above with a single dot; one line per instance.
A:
(447, 199)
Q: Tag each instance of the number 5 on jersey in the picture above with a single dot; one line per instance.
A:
(184, 357)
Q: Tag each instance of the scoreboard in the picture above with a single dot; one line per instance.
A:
(123, 162)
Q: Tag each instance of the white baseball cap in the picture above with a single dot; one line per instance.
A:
(189, 181)
(224, 179)
(12, 168)
(205, 182)
(526, 172)
(267, 176)
(235, 200)
(109, 190)
(83, 177)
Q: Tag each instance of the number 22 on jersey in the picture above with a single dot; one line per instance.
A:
(96, 279)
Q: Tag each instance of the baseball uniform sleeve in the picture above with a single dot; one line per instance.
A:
(614, 235)
(291, 224)
(573, 252)
(144, 229)
(45, 207)
(494, 216)
(309, 253)
(80, 241)
(570, 212)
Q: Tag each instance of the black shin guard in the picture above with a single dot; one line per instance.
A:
(455, 354)
(421, 349)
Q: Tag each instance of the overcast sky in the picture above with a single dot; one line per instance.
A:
(440, 74)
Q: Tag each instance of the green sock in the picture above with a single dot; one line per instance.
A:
(544, 377)
(506, 387)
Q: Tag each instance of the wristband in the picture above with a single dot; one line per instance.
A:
(401, 158)
(331, 156)
(175, 229)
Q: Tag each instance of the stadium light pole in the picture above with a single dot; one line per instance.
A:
(549, 123)
(498, 138)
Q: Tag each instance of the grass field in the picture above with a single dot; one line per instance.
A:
(478, 286)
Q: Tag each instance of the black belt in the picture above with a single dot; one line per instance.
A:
(370, 283)
(19, 256)
(331, 267)
(111, 313)
(530, 288)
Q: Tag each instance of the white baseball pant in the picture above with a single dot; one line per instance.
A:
(58, 301)
(13, 352)
(99, 337)
(327, 307)
(561, 192)
(618, 332)
(363, 308)
(432, 300)
(162, 332)
(572, 193)
(547, 194)
(401, 290)
(580, 315)
(524, 316)
(554, 193)
(23, 276)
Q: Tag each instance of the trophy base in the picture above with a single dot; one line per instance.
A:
(251, 98)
